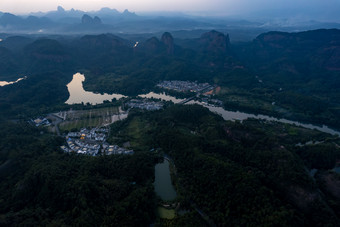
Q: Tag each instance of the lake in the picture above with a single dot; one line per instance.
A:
(163, 184)
(78, 95)
(237, 115)
(4, 83)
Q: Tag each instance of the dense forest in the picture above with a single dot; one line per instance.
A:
(296, 71)
(241, 173)
(42, 186)
(238, 173)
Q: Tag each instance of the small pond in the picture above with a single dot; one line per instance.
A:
(163, 184)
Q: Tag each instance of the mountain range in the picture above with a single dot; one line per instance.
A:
(63, 21)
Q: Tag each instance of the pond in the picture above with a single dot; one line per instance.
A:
(237, 115)
(78, 95)
(163, 184)
(4, 83)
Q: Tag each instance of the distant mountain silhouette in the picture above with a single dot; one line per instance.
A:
(13, 22)
(61, 14)
(87, 20)
(8, 19)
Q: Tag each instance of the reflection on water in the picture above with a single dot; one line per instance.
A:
(162, 96)
(78, 95)
(4, 83)
(237, 115)
(230, 115)
(163, 185)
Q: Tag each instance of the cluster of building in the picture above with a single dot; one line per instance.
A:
(95, 134)
(81, 147)
(144, 104)
(40, 121)
(183, 86)
(91, 142)
(114, 149)
(214, 102)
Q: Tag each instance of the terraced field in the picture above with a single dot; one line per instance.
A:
(90, 118)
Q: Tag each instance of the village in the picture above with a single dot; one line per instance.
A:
(184, 86)
(92, 142)
(144, 104)
(91, 138)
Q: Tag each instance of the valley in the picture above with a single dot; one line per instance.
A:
(245, 125)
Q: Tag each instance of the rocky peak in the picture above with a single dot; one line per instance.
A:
(168, 40)
(97, 20)
(214, 41)
(128, 13)
(60, 9)
(152, 45)
(86, 19)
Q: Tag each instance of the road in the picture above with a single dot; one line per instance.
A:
(56, 120)
(205, 89)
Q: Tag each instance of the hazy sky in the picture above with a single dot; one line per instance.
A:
(225, 7)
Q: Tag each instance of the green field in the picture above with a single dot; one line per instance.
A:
(165, 213)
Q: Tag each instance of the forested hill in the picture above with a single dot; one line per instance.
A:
(299, 72)
(249, 173)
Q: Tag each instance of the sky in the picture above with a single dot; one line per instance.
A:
(318, 8)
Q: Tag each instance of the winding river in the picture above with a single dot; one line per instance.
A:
(237, 115)
(78, 95)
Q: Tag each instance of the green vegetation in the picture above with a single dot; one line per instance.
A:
(42, 186)
(255, 172)
(298, 72)
(231, 173)
(165, 213)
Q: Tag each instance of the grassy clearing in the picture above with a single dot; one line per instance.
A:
(165, 213)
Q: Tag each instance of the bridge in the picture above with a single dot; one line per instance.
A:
(205, 89)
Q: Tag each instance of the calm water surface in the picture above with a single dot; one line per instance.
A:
(163, 185)
(237, 115)
(4, 83)
(78, 95)
(162, 96)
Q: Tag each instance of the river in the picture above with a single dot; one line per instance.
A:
(79, 95)
(237, 115)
